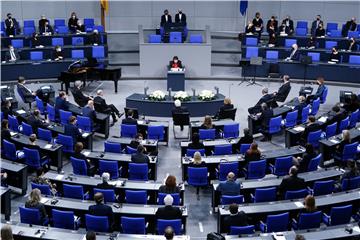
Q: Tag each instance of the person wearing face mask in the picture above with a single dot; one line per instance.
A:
(315, 24)
(320, 31)
(250, 29)
(311, 44)
(73, 23)
(175, 63)
(272, 26)
(349, 26)
(12, 55)
(334, 56)
(11, 26)
(166, 18)
(258, 24)
(294, 55)
(81, 26)
(45, 27)
(180, 18)
(289, 25)
(58, 54)
(95, 38)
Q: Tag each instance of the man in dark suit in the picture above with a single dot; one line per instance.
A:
(265, 116)
(336, 115)
(230, 186)
(61, 103)
(129, 120)
(266, 98)
(6, 109)
(289, 25)
(291, 182)
(139, 156)
(72, 130)
(312, 126)
(294, 55)
(349, 26)
(315, 24)
(178, 109)
(166, 18)
(100, 209)
(79, 97)
(11, 26)
(102, 106)
(236, 218)
(12, 55)
(24, 91)
(89, 111)
(284, 90)
(44, 26)
(36, 122)
(105, 179)
(168, 212)
(180, 18)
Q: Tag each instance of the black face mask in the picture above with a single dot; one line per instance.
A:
(180, 12)
(9, 17)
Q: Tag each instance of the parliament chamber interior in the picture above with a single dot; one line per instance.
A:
(149, 119)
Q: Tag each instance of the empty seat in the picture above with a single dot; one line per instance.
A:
(17, 43)
(77, 41)
(57, 41)
(77, 54)
(153, 38)
(36, 55)
(330, 44)
(98, 52)
(301, 31)
(251, 41)
(272, 55)
(252, 52)
(289, 42)
(315, 56)
(335, 33)
(175, 37)
(196, 38)
(353, 59)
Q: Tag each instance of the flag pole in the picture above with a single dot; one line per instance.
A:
(102, 16)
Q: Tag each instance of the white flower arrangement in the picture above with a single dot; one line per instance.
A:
(182, 96)
(157, 95)
(206, 95)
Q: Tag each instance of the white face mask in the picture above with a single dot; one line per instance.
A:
(58, 49)
(11, 49)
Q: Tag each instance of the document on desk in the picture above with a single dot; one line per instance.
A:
(334, 141)
(59, 177)
(44, 200)
(13, 133)
(322, 119)
(299, 204)
(86, 153)
(85, 135)
(299, 129)
(279, 236)
(48, 146)
(21, 111)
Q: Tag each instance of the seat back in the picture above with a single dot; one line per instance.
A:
(197, 177)
(109, 194)
(128, 130)
(62, 29)
(323, 187)
(331, 26)
(175, 196)
(331, 130)
(335, 33)
(9, 150)
(251, 41)
(132, 225)
(191, 152)
(98, 52)
(130, 150)
(315, 56)
(291, 119)
(36, 55)
(77, 41)
(40, 105)
(96, 223)
(314, 137)
(324, 95)
(227, 200)
(84, 123)
(57, 42)
(195, 38)
(73, 191)
(272, 55)
(289, 42)
(314, 163)
(354, 118)
(64, 116)
(138, 171)
(26, 129)
(244, 147)
(63, 219)
(30, 216)
(298, 194)
(309, 220)
(341, 215)
(275, 125)
(330, 44)
(252, 52)
(59, 22)
(223, 149)
(162, 224)
(265, 194)
(350, 151)
(305, 114)
(112, 147)
(156, 132)
(13, 123)
(181, 119)
(153, 38)
(282, 165)
(226, 167)
(79, 166)
(51, 112)
(136, 197)
(315, 107)
(77, 54)
(44, 188)
(344, 124)
(28, 31)
(301, 31)
(353, 34)
(89, 24)
(256, 169)
(350, 183)
(207, 134)
(110, 167)
(175, 37)
(228, 114)
(354, 59)
(301, 24)
(236, 230)
(231, 130)
(67, 142)
(17, 43)
(277, 223)
(32, 157)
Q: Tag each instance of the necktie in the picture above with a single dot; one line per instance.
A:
(12, 55)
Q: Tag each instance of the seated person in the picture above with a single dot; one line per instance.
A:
(95, 38)
(294, 55)
(80, 98)
(284, 90)
(34, 202)
(197, 162)
(300, 104)
(320, 31)
(311, 44)
(250, 28)
(227, 106)
(272, 40)
(346, 139)
(170, 186)
(311, 126)
(247, 138)
(207, 124)
(284, 30)
(100, 103)
(35, 41)
(179, 109)
(195, 142)
(252, 154)
(40, 179)
(73, 23)
(33, 144)
(45, 27)
(336, 115)
(140, 156)
(24, 91)
(352, 104)
(58, 54)
(105, 182)
(137, 141)
(265, 116)
(289, 25)
(175, 64)
(101, 209)
(334, 56)
(168, 212)
(61, 103)
(5, 132)
(72, 130)
(12, 55)
(35, 121)
(129, 120)
(352, 45)
(302, 163)
(349, 26)
(89, 111)
(319, 92)
(266, 98)
(6, 109)
(272, 26)
(79, 146)
(236, 218)
(180, 18)
(90, 235)
(351, 170)
(230, 187)
(291, 182)
(309, 205)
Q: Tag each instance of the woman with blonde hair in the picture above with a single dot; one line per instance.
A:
(207, 124)
(197, 162)
(34, 202)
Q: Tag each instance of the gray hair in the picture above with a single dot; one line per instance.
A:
(168, 200)
(78, 83)
(105, 176)
(265, 90)
(99, 92)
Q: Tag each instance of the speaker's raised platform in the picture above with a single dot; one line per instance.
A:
(197, 108)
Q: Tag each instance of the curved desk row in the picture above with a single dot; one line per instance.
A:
(197, 108)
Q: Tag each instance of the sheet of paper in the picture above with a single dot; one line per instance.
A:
(13, 133)
(59, 177)
(322, 119)
(86, 153)
(48, 146)
(299, 204)
(20, 111)
(299, 129)
(85, 134)
(44, 200)
(334, 141)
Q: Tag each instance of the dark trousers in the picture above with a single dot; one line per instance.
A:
(111, 109)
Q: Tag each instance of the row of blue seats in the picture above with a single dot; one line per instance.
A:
(274, 55)
(56, 41)
(331, 30)
(175, 37)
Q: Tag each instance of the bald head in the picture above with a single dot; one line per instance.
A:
(99, 92)
(230, 176)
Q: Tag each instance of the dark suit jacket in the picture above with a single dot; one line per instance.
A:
(5, 134)
(246, 139)
(23, 91)
(104, 185)
(73, 24)
(183, 18)
(229, 188)
(139, 158)
(90, 113)
(295, 56)
(102, 210)
(79, 97)
(95, 38)
(283, 92)
(6, 111)
(48, 28)
(199, 145)
(168, 213)
(314, 26)
(251, 157)
(264, 99)
(129, 121)
(180, 109)
(8, 55)
(349, 26)
(291, 24)
(304, 163)
(226, 107)
(11, 30)
(73, 131)
(61, 104)
(165, 189)
(265, 118)
(163, 20)
(299, 107)
(319, 91)
(240, 219)
(291, 183)
(202, 164)
(275, 27)
(36, 123)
